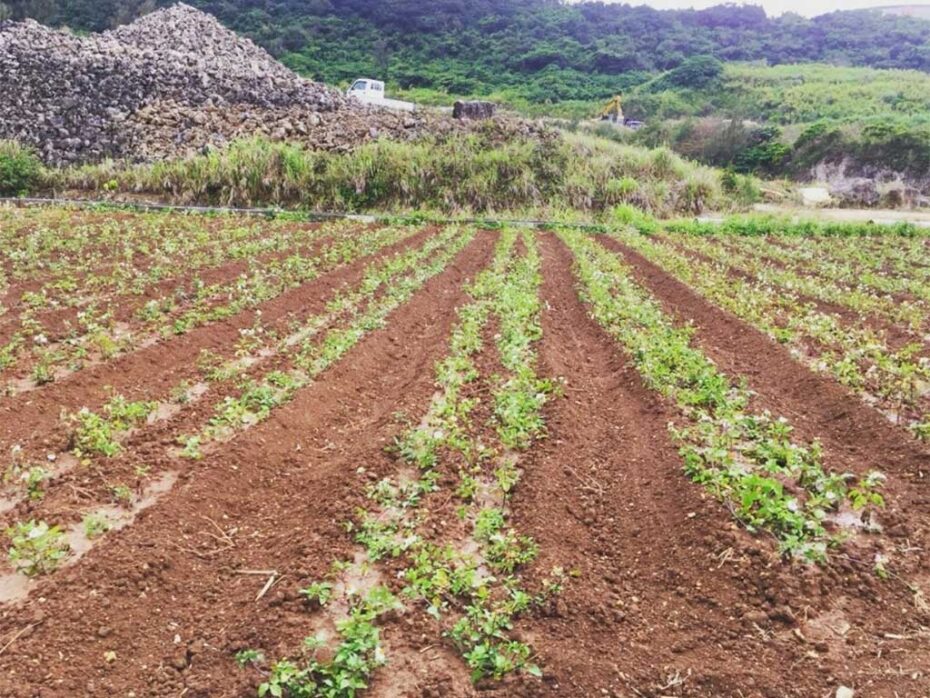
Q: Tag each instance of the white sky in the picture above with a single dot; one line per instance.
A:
(808, 8)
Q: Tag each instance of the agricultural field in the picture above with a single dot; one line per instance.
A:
(270, 457)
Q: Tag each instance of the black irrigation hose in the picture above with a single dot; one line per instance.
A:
(283, 212)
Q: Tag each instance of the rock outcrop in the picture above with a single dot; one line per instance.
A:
(475, 110)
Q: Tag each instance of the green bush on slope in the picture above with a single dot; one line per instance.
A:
(19, 169)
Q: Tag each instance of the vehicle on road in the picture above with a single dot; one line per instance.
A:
(371, 92)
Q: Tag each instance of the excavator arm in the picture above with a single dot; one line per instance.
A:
(613, 110)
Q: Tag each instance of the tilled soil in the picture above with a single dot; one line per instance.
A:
(883, 615)
(171, 599)
(666, 595)
(33, 418)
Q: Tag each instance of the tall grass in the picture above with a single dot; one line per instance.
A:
(477, 172)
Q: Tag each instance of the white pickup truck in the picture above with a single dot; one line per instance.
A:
(372, 92)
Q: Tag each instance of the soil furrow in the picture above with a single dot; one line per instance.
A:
(895, 332)
(819, 407)
(33, 418)
(855, 439)
(279, 493)
(126, 321)
(639, 611)
(125, 304)
(154, 446)
(671, 597)
(897, 336)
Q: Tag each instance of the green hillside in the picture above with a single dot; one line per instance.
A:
(539, 51)
(784, 120)
(790, 94)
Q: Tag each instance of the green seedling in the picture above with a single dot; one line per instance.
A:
(36, 548)
(320, 592)
(246, 657)
(95, 525)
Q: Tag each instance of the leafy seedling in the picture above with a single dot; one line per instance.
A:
(35, 547)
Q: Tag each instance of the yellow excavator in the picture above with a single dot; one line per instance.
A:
(613, 113)
(613, 110)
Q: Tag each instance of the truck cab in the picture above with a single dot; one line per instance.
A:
(368, 91)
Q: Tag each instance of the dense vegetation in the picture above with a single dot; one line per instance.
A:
(20, 169)
(535, 50)
(784, 120)
(557, 177)
(727, 86)
(784, 94)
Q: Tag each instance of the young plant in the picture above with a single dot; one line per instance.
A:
(34, 478)
(95, 525)
(35, 547)
(320, 592)
(246, 657)
(122, 494)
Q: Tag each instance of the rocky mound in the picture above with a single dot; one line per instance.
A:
(71, 97)
(202, 61)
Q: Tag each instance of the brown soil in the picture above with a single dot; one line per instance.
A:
(34, 418)
(896, 336)
(855, 439)
(667, 596)
(166, 595)
(59, 322)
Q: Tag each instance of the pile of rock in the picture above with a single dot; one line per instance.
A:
(194, 59)
(172, 129)
(77, 99)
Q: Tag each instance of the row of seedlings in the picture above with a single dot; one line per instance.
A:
(146, 253)
(98, 338)
(890, 263)
(816, 279)
(352, 313)
(465, 574)
(746, 457)
(856, 355)
(349, 316)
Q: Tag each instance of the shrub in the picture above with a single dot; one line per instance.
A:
(19, 169)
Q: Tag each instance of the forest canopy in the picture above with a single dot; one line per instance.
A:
(541, 50)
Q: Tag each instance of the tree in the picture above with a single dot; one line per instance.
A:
(696, 72)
